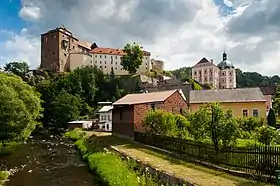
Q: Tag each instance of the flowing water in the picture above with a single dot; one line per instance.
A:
(48, 161)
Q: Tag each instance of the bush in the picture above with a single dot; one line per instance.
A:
(182, 126)
(271, 118)
(4, 176)
(249, 124)
(75, 134)
(160, 123)
(266, 134)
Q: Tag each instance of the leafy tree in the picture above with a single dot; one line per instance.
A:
(198, 124)
(271, 118)
(17, 68)
(20, 109)
(160, 123)
(276, 104)
(212, 121)
(182, 73)
(182, 126)
(266, 134)
(133, 57)
(64, 108)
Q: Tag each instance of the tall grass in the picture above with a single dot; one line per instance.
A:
(110, 168)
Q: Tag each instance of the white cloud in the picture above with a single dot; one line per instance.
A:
(30, 13)
(180, 32)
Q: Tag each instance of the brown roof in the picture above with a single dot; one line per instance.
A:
(227, 95)
(132, 99)
(113, 51)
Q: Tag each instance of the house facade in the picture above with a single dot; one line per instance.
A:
(129, 111)
(242, 101)
(105, 118)
(221, 76)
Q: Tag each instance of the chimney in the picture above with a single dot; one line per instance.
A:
(211, 60)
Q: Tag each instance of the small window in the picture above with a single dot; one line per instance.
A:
(153, 106)
(116, 57)
(105, 62)
(116, 68)
(120, 115)
(245, 113)
(104, 66)
(100, 56)
(255, 112)
(53, 53)
(73, 47)
(194, 72)
(181, 111)
(116, 63)
(105, 56)
(100, 62)
(109, 117)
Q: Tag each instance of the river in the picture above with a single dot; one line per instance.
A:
(48, 161)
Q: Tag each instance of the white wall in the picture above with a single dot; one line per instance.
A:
(107, 61)
(105, 117)
(80, 59)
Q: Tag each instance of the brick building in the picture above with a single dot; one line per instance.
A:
(129, 111)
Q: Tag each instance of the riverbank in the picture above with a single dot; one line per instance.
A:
(110, 167)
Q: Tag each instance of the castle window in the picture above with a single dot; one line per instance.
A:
(100, 62)
(195, 72)
(210, 79)
(105, 56)
(53, 53)
(205, 71)
(230, 74)
(223, 74)
(100, 56)
(105, 62)
(205, 78)
(116, 57)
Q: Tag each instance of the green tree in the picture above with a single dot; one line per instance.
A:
(271, 118)
(133, 57)
(266, 134)
(64, 108)
(20, 109)
(17, 68)
(198, 124)
(160, 123)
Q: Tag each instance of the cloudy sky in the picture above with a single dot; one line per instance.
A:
(180, 32)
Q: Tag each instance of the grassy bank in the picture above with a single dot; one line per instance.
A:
(110, 168)
(4, 175)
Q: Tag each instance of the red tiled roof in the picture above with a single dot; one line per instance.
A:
(113, 51)
(132, 99)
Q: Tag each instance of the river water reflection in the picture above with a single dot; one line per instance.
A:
(48, 161)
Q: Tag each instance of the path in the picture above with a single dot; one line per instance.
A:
(188, 171)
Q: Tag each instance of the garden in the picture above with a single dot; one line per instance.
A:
(213, 135)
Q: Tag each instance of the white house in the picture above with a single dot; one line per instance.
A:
(80, 124)
(105, 118)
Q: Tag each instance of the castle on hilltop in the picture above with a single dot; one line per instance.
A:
(61, 51)
(221, 76)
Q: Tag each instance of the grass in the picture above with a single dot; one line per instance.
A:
(4, 176)
(164, 162)
(110, 168)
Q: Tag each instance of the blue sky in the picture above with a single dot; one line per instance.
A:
(9, 16)
(178, 34)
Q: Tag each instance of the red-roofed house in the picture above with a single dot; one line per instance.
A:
(129, 111)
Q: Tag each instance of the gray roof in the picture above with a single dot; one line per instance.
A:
(227, 95)
(105, 109)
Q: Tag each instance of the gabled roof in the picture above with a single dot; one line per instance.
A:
(132, 99)
(203, 60)
(227, 95)
(105, 109)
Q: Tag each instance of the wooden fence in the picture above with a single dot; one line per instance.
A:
(258, 160)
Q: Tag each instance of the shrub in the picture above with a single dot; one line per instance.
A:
(160, 122)
(249, 124)
(266, 134)
(182, 126)
(75, 134)
(271, 118)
